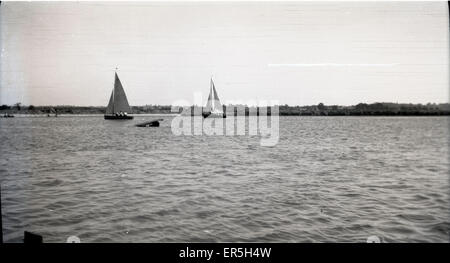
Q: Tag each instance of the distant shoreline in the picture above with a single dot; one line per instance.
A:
(45, 115)
(174, 115)
(361, 109)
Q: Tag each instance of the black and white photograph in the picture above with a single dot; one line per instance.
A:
(224, 122)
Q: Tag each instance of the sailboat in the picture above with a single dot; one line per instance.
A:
(118, 107)
(213, 107)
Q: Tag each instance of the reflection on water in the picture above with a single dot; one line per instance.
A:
(328, 179)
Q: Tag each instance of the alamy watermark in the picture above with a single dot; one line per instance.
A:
(240, 118)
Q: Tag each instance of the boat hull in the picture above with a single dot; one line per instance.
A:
(153, 123)
(213, 115)
(114, 117)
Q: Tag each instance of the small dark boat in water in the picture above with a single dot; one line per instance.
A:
(118, 106)
(118, 117)
(153, 123)
(7, 115)
(214, 115)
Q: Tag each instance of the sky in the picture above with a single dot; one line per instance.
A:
(296, 53)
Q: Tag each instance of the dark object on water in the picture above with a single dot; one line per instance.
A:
(118, 106)
(7, 115)
(214, 108)
(118, 117)
(153, 123)
(214, 115)
(29, 237)
(52, 110)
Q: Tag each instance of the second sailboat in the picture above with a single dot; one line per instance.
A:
(213, 107)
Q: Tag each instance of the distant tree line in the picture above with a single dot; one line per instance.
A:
(374, 109)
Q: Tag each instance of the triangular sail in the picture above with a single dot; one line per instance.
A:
(217, 106)
(110, 107)
(118, 101)
(210, 101)
(213, 104)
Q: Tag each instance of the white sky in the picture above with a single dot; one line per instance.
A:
(294, 52)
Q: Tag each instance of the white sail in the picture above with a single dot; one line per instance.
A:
(213, 104)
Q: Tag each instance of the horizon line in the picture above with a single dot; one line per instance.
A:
(289, 105)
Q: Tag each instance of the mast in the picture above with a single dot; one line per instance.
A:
(211, 92)
(113, 98)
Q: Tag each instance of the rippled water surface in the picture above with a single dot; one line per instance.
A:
(328, 179)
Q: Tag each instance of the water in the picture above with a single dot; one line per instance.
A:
(328, 179)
